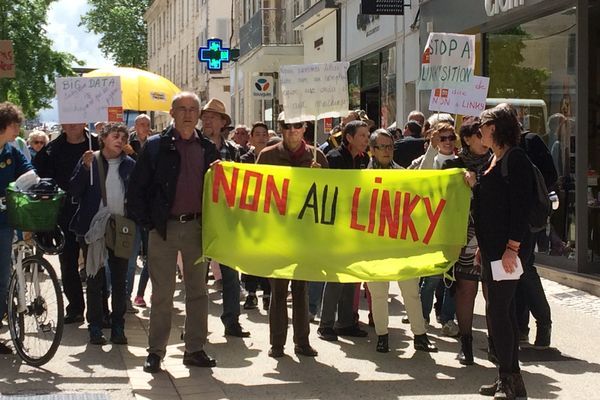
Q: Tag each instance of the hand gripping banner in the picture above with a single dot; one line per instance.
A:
(334, 225)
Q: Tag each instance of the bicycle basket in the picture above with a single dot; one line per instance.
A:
(35, 210)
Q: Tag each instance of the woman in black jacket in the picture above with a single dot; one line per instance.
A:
(501, 208)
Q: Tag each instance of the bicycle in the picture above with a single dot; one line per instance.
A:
(35, 305)
(35, 302)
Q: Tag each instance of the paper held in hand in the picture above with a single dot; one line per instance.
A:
(499, 274)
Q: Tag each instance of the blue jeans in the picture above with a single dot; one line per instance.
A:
(315, 295)
(132, 262)
(427, 293)
(6, 239)
(231, 296)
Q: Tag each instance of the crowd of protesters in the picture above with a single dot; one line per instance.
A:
(157, 181)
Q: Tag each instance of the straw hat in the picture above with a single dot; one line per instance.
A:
(216, 106)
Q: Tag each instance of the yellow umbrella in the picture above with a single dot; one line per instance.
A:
(142, 90)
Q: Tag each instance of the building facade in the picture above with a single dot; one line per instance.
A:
(176, 30)
(540, 56)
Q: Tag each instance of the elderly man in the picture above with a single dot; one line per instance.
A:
(137, 139)
(165, 196)
(294, 152)
(214, 120)
(241, 136)
(381, 143)
(57, 160)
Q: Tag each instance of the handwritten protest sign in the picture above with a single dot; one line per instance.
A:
(448, 61)
(89, 99)
(314, 91)
(7, 59)
(469, 100)
(319, 224)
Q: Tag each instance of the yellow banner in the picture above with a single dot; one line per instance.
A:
(334, 225)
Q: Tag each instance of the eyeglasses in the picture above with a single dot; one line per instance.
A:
(450, 138)
(295, 125)
(384, 146)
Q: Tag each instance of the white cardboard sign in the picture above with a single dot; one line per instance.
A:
(83, 100)
(463, 101)
(314, 91)
(448, 61)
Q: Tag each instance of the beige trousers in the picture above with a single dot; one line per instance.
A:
(162, 261)
(412, 303)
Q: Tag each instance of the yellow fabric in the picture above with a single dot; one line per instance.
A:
(334, 225)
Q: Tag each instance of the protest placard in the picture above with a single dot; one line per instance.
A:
(89, 99)
(448, 61)
(314, 91)
(469, 100)
(7, 59)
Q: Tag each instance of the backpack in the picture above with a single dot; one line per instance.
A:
(541, 206)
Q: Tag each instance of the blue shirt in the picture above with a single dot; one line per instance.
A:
(12, 165)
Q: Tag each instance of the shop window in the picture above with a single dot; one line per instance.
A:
(354, 85)
(388, 88)
(532, 65)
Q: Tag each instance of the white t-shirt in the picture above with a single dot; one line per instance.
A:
(115, 190)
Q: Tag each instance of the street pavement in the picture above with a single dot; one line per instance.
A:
(348, 369)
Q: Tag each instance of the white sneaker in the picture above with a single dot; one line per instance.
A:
(450, 329)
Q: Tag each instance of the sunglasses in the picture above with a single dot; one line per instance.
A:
(450, 138)
(295, 125)
(384, 146)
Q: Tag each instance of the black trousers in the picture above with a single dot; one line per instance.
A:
(502, 323)
(69, 264)
(95, 296)
(252, 283)
(530, 294)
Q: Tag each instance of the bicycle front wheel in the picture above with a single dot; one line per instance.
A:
(36, 326)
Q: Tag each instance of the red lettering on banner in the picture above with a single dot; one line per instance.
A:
(407, 222)
(354, 220)
(434, 217)
(244, 205)
(279, 197)
(221, 181)
(386, 217)
(373, 210)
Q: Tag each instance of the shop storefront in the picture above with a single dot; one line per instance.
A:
(537, 55)
(368, 43)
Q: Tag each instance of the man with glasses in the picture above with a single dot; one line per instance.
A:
(165, 197)
(381, 143)
(292, 151)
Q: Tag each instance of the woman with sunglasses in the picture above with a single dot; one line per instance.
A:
(441, 149)
(500, 209)
(36, 141)
(473, 156)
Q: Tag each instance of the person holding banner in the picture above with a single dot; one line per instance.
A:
(165, 197)
(58, 160)
(439, 151)
(501, 209)
(381, 143)
(340, 296)
(293, 152)
(473, 156)
(214, 120)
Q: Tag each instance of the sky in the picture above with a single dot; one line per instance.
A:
(62, 28)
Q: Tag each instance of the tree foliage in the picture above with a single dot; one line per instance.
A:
(508, 78)
(122, 30)
(37, 65)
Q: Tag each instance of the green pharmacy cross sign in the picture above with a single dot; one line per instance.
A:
(214, 55)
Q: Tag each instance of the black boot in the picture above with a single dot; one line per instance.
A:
(382, 344)
(505, 389)
(492, 352)
(542, 337)
(465, 357)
